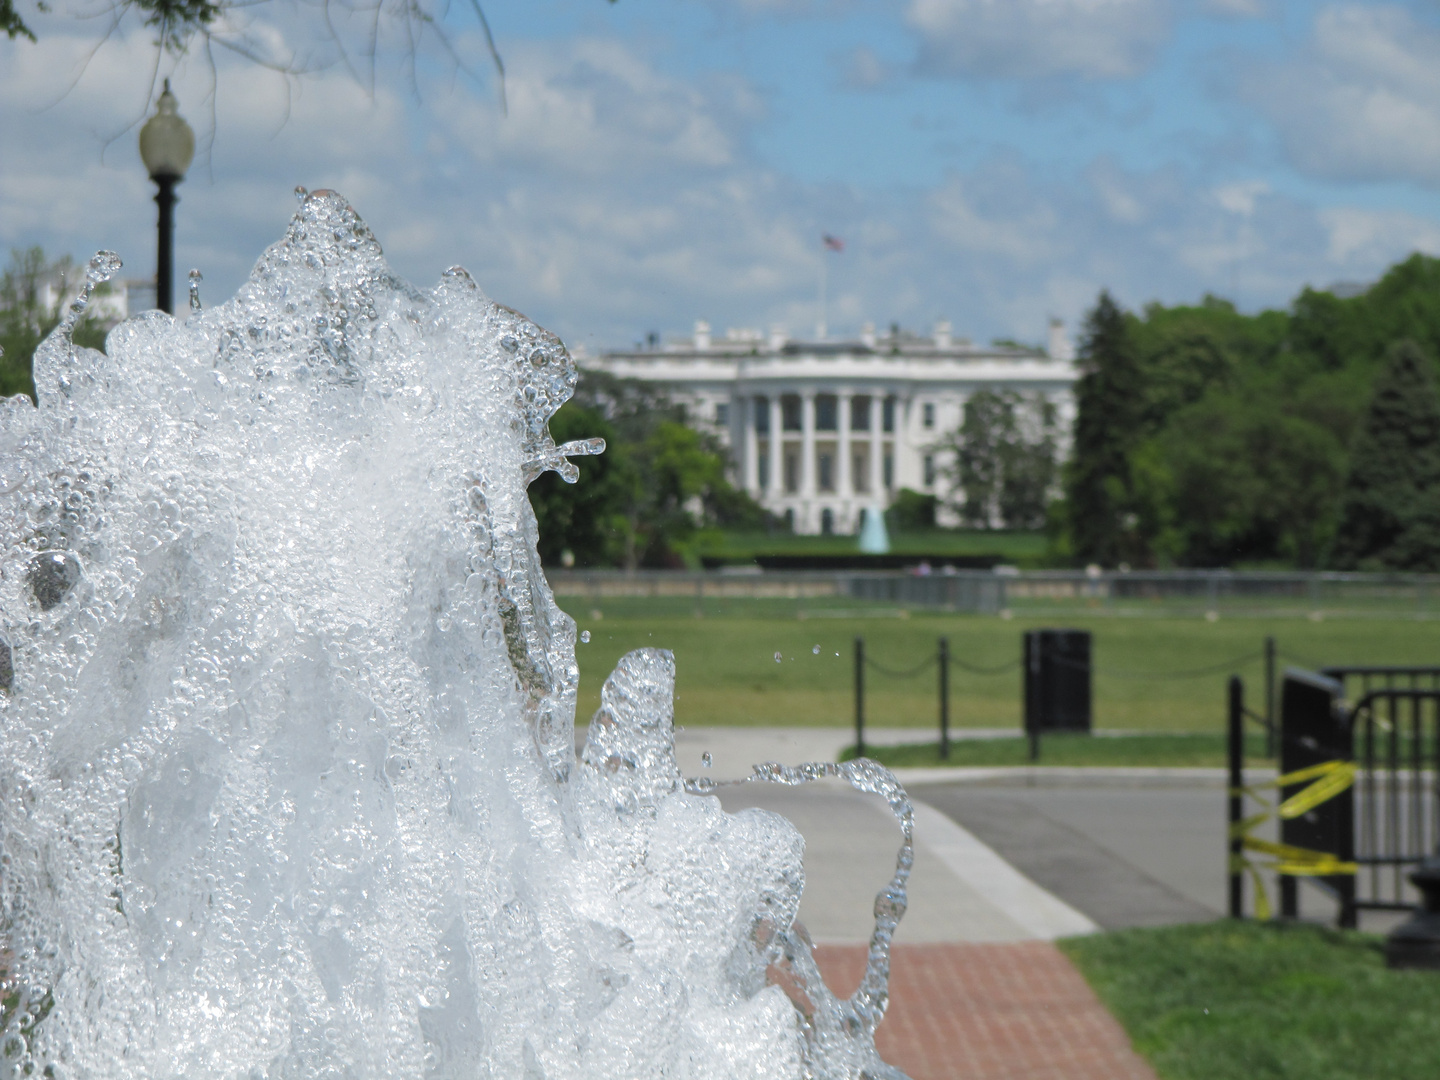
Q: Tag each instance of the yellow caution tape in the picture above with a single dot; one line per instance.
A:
(1330, 779)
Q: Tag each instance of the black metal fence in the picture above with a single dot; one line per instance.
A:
(815, 593)
(1356, 799)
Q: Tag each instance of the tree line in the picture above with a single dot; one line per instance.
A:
(1308, 437)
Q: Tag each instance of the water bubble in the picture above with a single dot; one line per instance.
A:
(779, 659)
(816, 650)
(585, 636)
(195, 278)
(706, 760)
(103, 266)
(52, 575)
(300, 193)
(458, 275)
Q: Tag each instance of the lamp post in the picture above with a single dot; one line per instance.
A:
(167, 146)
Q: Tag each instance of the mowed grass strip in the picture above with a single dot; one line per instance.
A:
(1264, 1001)
(1155, 751)
(1145, 681)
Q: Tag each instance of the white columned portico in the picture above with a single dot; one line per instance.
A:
(807, 445)
(752, 446)
(877, 447)
(844, 485)
(777, 446)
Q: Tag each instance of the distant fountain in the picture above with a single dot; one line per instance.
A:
(288, 784)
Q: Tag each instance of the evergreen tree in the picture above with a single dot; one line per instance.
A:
(1110, 402)
(1390, 510)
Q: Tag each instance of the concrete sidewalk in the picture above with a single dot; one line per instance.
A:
(1005, 861)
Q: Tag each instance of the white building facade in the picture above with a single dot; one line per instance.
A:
(818, 431)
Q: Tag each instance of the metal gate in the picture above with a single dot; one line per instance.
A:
(1359, 787)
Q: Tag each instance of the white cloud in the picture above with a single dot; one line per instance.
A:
(1240, 197)
(617, 198)
(1363, 100)
(1097, 39)
(1377, 237)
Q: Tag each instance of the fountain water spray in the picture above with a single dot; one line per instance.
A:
(288, 785)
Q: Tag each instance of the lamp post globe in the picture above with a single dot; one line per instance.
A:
(167, 146)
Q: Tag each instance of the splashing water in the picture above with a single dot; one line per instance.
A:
(288, 785)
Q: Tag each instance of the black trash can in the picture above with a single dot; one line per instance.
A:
(1057, 681)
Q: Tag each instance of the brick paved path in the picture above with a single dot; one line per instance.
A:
(990, 1012)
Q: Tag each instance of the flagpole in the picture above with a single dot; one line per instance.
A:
(820, 327)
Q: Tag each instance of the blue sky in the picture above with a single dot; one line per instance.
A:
(993, 162)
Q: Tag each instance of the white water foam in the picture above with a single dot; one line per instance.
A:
(287, 773)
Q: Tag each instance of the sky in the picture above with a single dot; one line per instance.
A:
(995, 163)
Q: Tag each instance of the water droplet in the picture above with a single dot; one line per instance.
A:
(816, 650)
(706, 760)
(104, 266)
(779, 659)
(585, 636)
(300, 193)
(458, 275)
(195, 278)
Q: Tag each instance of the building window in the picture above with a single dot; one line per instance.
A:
(927, 414)
(826, 463)
(827, 410)
(762, 465)
(762, 416)
(929, 470)
(860, 470)
(722, 414)
(792, 471)
(889, 470)
(790, 412)
(887, 415)
(827, 521)
(860, 414)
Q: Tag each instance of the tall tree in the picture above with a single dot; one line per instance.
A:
(1390, 511)
(1110, 401)
(976, 450)
(1003, 460)
(1027, 463)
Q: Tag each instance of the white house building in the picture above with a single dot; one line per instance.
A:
(820, 430)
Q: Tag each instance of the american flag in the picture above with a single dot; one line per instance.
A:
(833, 243)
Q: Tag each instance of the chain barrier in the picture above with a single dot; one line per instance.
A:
(910, 673)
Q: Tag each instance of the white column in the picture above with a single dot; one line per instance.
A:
(751, 443)
(777, 448)
(807, 444)
(877, 446)
(843, 486)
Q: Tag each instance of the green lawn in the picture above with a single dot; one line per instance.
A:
(1169, 751)
(727, 672)
(1265, 1001)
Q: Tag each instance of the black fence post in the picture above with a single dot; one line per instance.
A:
(1029, 677)
(859, 696)
(944, 698)
(1236, 747)
(1269, 697)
